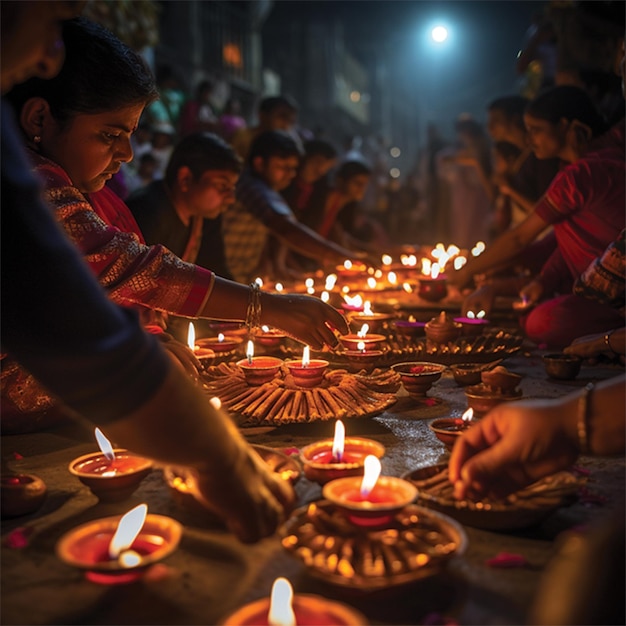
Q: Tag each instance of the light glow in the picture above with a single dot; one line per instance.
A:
(127, 530)
(371, 473)
(339, 441)
(105, 445)
(281, 600)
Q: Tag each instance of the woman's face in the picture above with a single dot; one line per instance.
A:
(91, 148)
(547, 140)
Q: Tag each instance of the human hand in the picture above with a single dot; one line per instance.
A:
(588, 347)
(305, 318)
(458, 278)
(481, 299)
(514, 445)
(532, 292)
(251, 499)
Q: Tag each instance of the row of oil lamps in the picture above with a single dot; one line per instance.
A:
(118, 550)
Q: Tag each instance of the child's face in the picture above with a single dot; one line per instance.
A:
(546, 140)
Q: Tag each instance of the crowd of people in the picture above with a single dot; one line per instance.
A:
(235, 198)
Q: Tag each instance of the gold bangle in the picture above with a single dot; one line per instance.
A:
(582, 424)
(607, 340)
(253, 312)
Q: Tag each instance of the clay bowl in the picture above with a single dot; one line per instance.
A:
(501, 379)
(467, 373)
(562, 366)
(21, 494)
(418, 377)
(482, 399)
(409, 329)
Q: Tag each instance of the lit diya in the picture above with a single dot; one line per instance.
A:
(409, 327)
(433, 286)
(342, 456)
(449, 429)
(282, 608)
(118, 549)
(306, 372)
(21, 494)
(418, 377)
(352, 303)
(270, 337)
(372, 500)
(375, 321)
(204, 353)
(361, 358)
(472, 324)
(260, 369)
(370, 340)
(220, 344)
(111, 475)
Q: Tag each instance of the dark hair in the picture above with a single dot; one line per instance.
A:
(202, 86)
(201, 152)
(100, 74)
(319, 147)
(274, 143)
(470, 126)
(569, 102)
(350, 169)
(269, 104)
(513, 107)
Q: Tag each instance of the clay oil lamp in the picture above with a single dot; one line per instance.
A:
(433, 286)
(350, 269)
(283, 608)
(112, 475)
(306, 372)
(500, 379)
(442, 330)
(375, 321)
(372, 500)
(370, 340)
(220, 344)
(270, 337)
(119, 549)
(449, 429)
(339, 457)
(259, 370)
(21, 494)
(203, 352)
(410, 327)
(498, 386)
(472, 324)
(418, 377)
(361, 358)
(562, 366)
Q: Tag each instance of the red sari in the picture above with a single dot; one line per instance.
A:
(106, 233)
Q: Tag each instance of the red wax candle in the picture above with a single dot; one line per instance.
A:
(309, 610)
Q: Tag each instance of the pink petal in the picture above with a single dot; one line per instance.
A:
(290, 451)
(506, 560)
(430, 402)
(18, 538)
(17, 456)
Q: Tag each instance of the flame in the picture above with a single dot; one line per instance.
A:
(386, 259)
(452, 250)
(470, 315)
(407, 287)
(306, 356)
(331, 279)
(279, 287)
(339, 440)
(378, 273)
(191, 336)
(367, 308)
(468, 415)
(480, 314)
(220, 337)
(479, 248)
(105, 445)
(324, 296)
(412, 318)
(216, 403)
(363, 331)
(127, 530)
(259, 281)
(250, 351)
(459, 262)
(129, 558)
(434, 271)
(356, 301)
(370, 476)
(360, 346)
(347, 264)
(265, 329)
(392, 278)
(426, 265)
(345, 289)
(281, 611)
(309, 282)
(371, 282)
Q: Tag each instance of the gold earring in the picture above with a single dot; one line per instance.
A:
(37, 139)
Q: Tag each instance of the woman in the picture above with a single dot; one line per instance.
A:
(78, 127)
(584, 204)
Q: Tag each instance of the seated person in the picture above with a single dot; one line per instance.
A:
(79, 135)
(260, 210)
(585, 205)
(184, 207)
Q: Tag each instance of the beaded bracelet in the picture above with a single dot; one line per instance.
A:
(253, 312)
(607, 341)
(582, 423)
